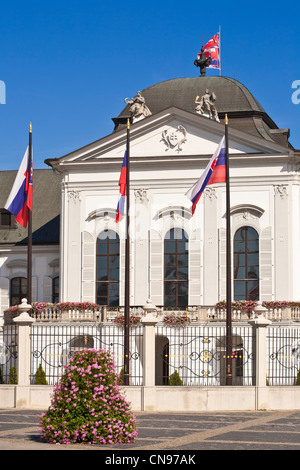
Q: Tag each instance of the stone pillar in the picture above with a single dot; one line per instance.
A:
(261, 323)
(24, 322)
(149, 322)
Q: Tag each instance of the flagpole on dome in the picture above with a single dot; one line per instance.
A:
(228, 267)
(29, 245)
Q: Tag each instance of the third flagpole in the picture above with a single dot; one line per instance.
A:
(228, 267)
(127, 265)
(29, 247)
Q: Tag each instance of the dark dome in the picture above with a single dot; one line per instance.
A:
(245, 113)
(231, 95)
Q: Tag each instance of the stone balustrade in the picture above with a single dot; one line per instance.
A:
(205, 313)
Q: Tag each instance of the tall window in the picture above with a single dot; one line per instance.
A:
(246, 264)
(107, 268)
(18, 290)
(176, 269)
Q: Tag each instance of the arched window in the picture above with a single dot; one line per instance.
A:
(107, 268)
(18, 290)
(176, 269)
(246, 264)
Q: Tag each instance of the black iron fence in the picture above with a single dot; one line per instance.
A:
(52, 347)
(8, 355)
(196, 355)
(283, 354)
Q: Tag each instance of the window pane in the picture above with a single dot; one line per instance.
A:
(252, 245)
(239, 260)
(114, 248)
(182, 273)
(170, 288)
(182, 301)
(102, 249)
(101, 275)
(170, 300)
(170, 273)
(101, 262)
(170, 246)
(113, 261)
(170, 260)
(240, 288)
(182, 260)
(239, 245)
(253, 272)
(253, 290)
(240, 273)
(102, 289)
(253, 259)
(114, 274)
(252, 234)
(182, 288)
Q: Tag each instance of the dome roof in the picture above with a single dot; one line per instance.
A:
(245, 113)
(231, 95)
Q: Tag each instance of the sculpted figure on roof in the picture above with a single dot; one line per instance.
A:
(138, 108)
(206, 105)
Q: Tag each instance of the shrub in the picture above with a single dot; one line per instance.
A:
(13, 376)
(175, 379)
(87, 405)
(40, 376)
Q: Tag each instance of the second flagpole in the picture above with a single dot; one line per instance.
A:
(127, 264)
(228, 267)
(29, 244)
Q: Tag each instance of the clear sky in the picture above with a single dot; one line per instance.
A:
(68, 65)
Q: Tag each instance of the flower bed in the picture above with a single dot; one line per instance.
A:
(133, 320)
(175, 319)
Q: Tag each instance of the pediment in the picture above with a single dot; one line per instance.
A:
(172, 132)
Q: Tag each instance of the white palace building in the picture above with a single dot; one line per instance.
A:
(176, 259)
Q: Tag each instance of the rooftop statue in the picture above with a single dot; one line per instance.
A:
(202, 62)
(138, 108)
(206, 105)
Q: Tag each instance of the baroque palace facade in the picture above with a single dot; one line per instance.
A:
(177, 259)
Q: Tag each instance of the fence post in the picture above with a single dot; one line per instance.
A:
(260, 323)
(149, 322)
(24, 322)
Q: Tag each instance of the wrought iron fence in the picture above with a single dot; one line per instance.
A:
(53, 345)
(283, 352)
(8, 355)
(196, 355)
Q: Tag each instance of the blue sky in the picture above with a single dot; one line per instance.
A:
(69, 65)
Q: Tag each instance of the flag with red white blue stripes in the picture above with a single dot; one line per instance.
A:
(20, 198)
(122, 184)
(215, 172)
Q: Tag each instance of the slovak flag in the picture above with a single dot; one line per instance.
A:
(122, 184)
(215, 172)
(212, 50)
(20, 198)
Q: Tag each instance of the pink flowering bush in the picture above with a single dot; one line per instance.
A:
(87, 405)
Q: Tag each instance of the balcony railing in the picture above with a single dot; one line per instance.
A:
(204, 313)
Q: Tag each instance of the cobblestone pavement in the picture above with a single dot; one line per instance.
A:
(185, 432)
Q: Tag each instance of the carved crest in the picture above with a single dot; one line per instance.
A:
(174, 139)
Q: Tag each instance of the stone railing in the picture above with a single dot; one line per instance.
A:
(204, 313)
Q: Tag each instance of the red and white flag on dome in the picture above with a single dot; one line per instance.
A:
(212, 50)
